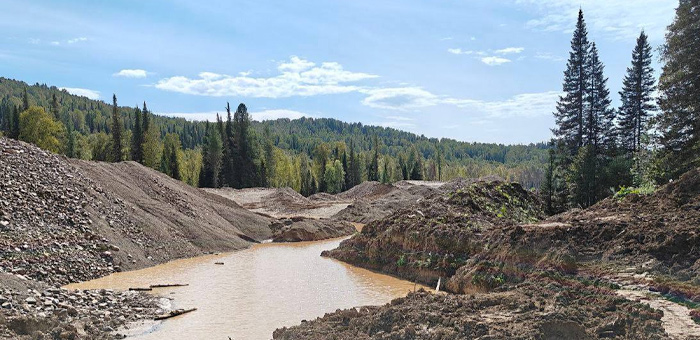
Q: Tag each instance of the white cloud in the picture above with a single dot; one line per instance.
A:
(494, 61)
(55, 43)
(459, 51)
(279, 113)
(399, 98)
(34, 41)
(131, 73)
(510, 50)
(616, 19)
(446, 38)
(298, 77)
(548, 56)
(92, 94)
(259, 116)
(75, 40)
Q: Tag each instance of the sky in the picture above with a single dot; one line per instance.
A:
(472, 70)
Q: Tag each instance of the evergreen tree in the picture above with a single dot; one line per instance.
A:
(308, 185)
(599, 129)
(25, 100)
(228, 175)
(211, 158)
(116, 132)
(385, 173)
(245, 167)
(547, 189)
(636, 96)
(55, 107)
(70, 146)
(571, 107)
(417, 169)
(440, 161)
(679, 87)
(14, 123)
(373, 173)
(170, 159)
(137, 137)
(269, 154)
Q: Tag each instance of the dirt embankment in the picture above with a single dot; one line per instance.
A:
(298, 229)
(555, 310)
(435, 237)
(486, 238)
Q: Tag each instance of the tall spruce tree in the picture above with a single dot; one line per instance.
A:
(55, 107)
(212, 154)
(599, 119)
(571, 107)
(14, 123)
(25, 100)
(137, 137)
(679, 87)
(636, 96)
(229, 175)
(373, 173)
(116, 132)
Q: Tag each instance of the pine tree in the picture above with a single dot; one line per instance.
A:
(25, 100)
(269, 154)
(599, 129)
(571, 107)
(116, 132)
(211, 160)
(70, 146)
(14, 126)
(547, 189)
(55, 107)
(417, 170)
(440, 161)
(137, 137)
(636, 96)
(679, 87)
(229, 175)
(373, 173)
(308, 185)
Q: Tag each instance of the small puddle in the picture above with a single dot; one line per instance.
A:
(255, 291)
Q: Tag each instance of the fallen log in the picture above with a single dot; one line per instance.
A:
(140, 289)
(174, 313)
(218, 263)
(170, 285)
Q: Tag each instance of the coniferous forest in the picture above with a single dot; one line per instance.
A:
(598, 150)
(309, 154)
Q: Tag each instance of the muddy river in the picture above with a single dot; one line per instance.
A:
(255, 291)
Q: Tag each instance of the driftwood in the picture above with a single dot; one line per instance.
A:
(170, 285)
(174, 313)
(218, 263)
(139, 289)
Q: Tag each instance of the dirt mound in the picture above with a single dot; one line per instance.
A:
(372, 208)
(366, 190)
(549, 310)
(436, 236)
(323, 197)
(65, 221)
(298, 229)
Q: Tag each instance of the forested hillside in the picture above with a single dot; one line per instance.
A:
(309, 155)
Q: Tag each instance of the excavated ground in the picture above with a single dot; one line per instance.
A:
(487, 238)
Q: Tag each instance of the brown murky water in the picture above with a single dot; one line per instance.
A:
(256, 290)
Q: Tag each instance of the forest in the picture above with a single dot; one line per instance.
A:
(307, 154)
(650, 139)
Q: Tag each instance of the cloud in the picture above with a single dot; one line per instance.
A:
(399, 98)
(615, 19)
(510, 50)
(75, 40)
(55, 43)
(298, 77)
(92, 94)
(259, 116)
(278, 114)
(548, 56)
(459, 51)
(34, 41)
(446, 38)
(131, 73)
(494, 61)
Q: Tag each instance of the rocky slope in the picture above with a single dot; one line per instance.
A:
(65, 221)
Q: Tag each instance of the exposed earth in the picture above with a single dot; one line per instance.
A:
(626, 268)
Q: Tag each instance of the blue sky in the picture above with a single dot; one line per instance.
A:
(473, 70)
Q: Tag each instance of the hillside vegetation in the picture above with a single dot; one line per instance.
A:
(279, 153)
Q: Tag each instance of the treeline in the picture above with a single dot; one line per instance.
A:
(309, 155)
(599, 150)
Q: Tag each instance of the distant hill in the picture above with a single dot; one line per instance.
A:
(92, 119)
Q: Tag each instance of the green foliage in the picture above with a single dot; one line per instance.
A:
(170, 159)
(646, 189)
(401, 261)
(334, 177)
(117, 148)
(191, 166)
(679, 94)
(39, 128)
